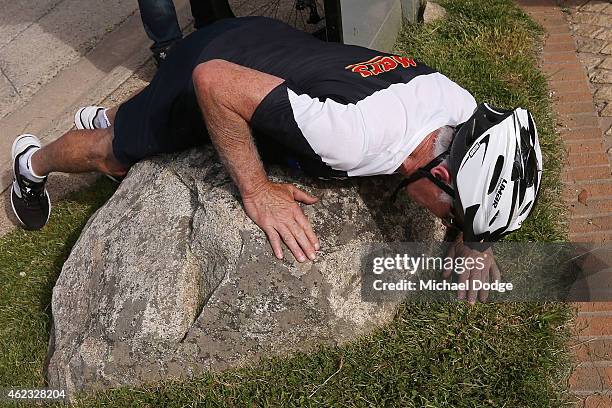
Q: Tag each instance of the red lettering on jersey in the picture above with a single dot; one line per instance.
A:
(362, 70)
(380, 64)
(388, 63)
(406, 62)
(377, 68)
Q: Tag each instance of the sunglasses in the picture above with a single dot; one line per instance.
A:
(453, 220)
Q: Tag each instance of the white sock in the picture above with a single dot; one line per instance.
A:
(25, 166)
(101, 120)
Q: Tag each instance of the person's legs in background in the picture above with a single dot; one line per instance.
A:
(208, 11)
(161, 25)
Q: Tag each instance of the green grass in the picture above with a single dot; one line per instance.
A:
(431, 355)
(25, 313)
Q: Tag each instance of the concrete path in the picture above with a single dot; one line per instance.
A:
(40, 38)
(57, 55)
(576, 57)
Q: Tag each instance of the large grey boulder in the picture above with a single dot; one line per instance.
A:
(171, 278)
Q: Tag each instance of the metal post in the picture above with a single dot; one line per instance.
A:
(333, 20)
(411, 9)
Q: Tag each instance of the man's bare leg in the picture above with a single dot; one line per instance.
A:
(112, 112)
(79, 151)
(75, 152)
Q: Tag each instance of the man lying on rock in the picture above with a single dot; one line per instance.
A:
(256, 87)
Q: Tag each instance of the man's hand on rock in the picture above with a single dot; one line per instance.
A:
(481, 270)
(274, 208)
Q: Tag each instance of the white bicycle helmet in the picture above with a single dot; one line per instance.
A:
(496, 166)
(496, 163)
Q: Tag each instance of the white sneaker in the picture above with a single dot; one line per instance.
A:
(84, 117)
(29, 199)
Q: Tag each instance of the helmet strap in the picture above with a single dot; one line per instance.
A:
(425, 172)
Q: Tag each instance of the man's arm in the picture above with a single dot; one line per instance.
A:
(228, 95)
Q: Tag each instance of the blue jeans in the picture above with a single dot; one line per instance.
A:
(161, 24)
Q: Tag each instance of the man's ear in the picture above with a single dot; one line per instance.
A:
(442, 173)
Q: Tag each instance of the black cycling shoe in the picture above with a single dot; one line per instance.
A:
(29, 199)
(161, 55)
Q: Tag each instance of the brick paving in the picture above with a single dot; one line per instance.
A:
(577, 59)
(591, 25)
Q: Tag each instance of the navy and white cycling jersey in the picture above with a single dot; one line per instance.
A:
(342, 110)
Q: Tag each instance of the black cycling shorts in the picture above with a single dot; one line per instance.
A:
(165, 117)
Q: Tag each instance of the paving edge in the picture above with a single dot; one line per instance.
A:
(49, 114)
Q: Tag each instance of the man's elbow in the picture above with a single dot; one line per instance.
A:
(207, 74)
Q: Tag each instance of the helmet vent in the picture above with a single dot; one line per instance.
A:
(532, 133)
(493, 219)
(499, 164)
(522, 190)
(517, 165)
(525, 208)
(471, 133)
